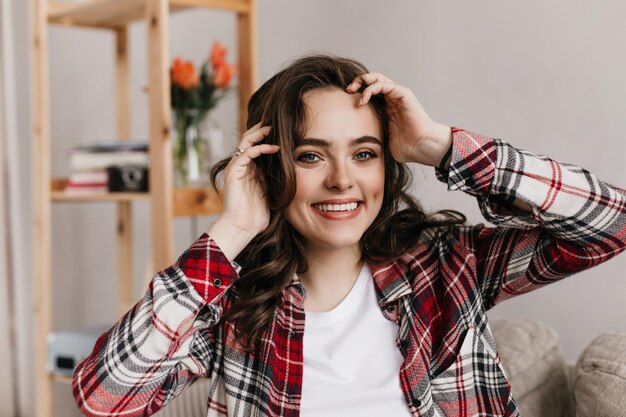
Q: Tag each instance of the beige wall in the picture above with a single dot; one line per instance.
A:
(546, 76)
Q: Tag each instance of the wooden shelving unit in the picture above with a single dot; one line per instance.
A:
(165, 201)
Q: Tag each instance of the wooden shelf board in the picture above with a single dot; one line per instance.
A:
(191, 201)
(62, 196)
(239, 6)
(196, 202)
(62, 378)
(116, 13)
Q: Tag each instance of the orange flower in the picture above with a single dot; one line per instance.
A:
(222, 75)
(218, 55)
(184, 74)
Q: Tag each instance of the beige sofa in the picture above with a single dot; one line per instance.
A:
(543, 384)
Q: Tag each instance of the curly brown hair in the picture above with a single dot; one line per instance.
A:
(271, 259)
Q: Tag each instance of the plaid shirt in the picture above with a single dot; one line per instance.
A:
(437, 293)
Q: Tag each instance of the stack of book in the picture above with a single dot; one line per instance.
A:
(90, 163)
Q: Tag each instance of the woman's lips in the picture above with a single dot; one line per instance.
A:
(339, 215)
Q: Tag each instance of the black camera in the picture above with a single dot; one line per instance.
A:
(128, 178)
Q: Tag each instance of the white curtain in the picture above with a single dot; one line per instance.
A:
(8, 211)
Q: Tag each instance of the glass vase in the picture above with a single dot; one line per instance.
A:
(188, 150)
(216, 148)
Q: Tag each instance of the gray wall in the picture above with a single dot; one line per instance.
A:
(545, 76)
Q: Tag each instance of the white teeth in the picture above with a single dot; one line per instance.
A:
(336, 207)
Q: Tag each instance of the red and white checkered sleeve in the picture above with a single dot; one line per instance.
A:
(577, 220)
(163, 344)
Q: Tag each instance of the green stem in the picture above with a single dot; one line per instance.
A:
(180, 146)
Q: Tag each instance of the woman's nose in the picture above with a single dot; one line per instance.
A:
(339, 177)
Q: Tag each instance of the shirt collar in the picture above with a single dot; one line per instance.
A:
(390, 281)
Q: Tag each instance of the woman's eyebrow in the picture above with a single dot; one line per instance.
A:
(326, 144)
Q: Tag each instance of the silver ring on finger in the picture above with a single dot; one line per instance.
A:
(238, 151)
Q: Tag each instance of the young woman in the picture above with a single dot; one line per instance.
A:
(324, 289)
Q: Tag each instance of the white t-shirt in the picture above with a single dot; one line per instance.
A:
(351, 361)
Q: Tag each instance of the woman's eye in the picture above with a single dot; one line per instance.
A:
(365, 155)
(307, 157)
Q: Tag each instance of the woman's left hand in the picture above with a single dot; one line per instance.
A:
(413, 135)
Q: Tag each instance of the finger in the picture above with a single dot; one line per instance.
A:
(254, 152)
(253, 136)
(389, 89)
(369, 78)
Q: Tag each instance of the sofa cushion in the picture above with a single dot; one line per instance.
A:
(600, 379)
(531, 356)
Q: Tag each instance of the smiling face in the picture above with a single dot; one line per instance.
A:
(339, 171)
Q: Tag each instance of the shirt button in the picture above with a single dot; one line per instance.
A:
(416, 402)
(217, 282)
(391, 308)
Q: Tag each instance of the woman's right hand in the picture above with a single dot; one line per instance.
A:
(245, 210)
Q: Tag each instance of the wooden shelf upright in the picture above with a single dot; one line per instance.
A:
(166, 202)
